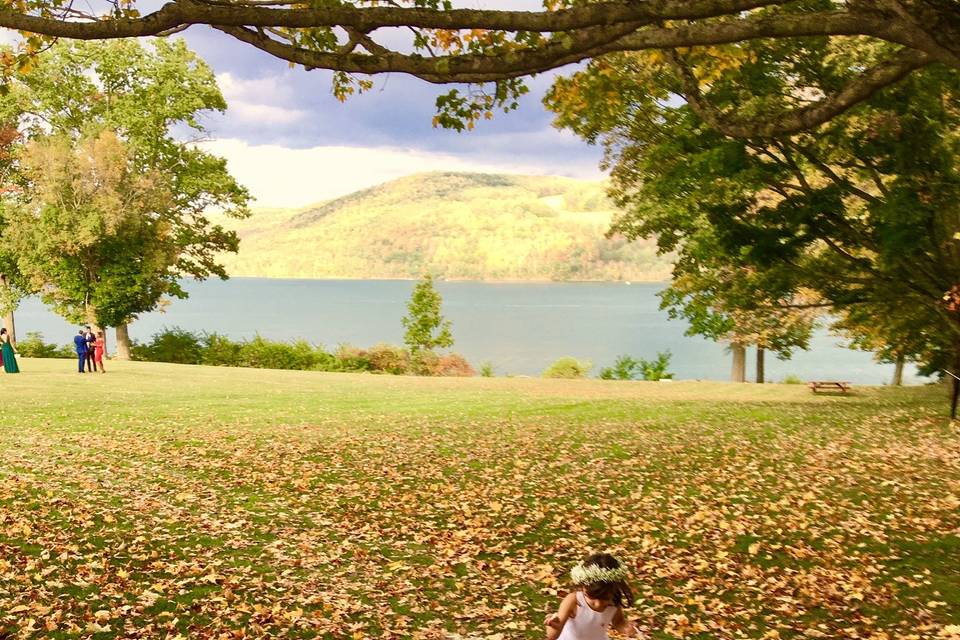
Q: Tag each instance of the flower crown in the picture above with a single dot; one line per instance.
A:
(592, 574)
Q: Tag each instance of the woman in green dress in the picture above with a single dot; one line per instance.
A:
(9, 359)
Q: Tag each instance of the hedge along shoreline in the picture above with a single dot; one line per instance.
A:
(180, 346)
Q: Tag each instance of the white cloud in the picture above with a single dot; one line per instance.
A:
(283, 177)
(264, 114)
(265, 87)
(259, 100)
(9, 37)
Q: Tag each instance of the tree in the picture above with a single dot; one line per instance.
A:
(910, 335)
(722, 303)
(869, 333)
(500, 47)
(721, 298)
(83, 93)
(864, 214)
(12, 285)
(11, 292)
(91, 233)
(426, 327)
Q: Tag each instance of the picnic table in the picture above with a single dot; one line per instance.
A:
(829, 385)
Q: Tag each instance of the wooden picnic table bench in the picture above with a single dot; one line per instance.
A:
(829, 385)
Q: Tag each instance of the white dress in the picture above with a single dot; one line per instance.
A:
(588, 624)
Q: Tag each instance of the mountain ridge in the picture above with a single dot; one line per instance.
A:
(458, 226)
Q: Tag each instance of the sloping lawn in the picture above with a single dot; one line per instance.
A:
(163, 501)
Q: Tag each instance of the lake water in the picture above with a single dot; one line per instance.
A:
(519, 327)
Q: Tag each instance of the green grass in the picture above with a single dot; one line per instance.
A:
(158, 500)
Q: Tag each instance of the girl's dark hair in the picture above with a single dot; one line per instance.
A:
(618, 592)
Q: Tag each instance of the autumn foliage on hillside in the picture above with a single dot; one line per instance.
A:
(456, 226)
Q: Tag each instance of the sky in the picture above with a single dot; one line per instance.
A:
(292, 143)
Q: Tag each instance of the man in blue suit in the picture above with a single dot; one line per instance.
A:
(80, 344)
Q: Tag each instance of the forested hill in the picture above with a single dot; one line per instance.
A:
(455, 225)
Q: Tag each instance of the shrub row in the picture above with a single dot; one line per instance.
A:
(185, 347)
(625, 368)
(33, 346)
(630, 368)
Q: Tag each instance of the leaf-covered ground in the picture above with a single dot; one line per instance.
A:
(161, 501)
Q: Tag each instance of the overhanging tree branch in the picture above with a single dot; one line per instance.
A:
(689, 22)
(467, 68)
(570, 47)
(367, 19)
(506, 45)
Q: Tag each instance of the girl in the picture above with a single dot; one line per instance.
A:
(98, 347)
(9, 359)
(597, 604)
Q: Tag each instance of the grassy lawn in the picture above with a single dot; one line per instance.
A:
(161, 501)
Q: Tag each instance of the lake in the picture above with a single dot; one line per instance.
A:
(519, 327)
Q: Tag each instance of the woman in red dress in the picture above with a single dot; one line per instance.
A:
(98, 347)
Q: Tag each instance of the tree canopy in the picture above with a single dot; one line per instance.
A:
(456, 45)
(106, 211)
(861, 217)
(91, 236)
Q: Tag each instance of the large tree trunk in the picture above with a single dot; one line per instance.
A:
(8, 320)
(123, 342)
(898, 371)
(739, 371)
(954, 397)
(760, 365)
(11, 326)
(955, 394)
(90, 312)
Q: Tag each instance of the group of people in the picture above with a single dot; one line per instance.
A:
(90, 349)
(7, 357)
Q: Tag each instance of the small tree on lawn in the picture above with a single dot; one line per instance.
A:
(426, 327)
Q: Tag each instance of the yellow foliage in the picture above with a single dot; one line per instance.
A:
(469, 226)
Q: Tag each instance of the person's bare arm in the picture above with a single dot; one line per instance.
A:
(555, 621)
(623, 626)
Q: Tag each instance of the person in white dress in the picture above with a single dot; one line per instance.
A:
(597, 604)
